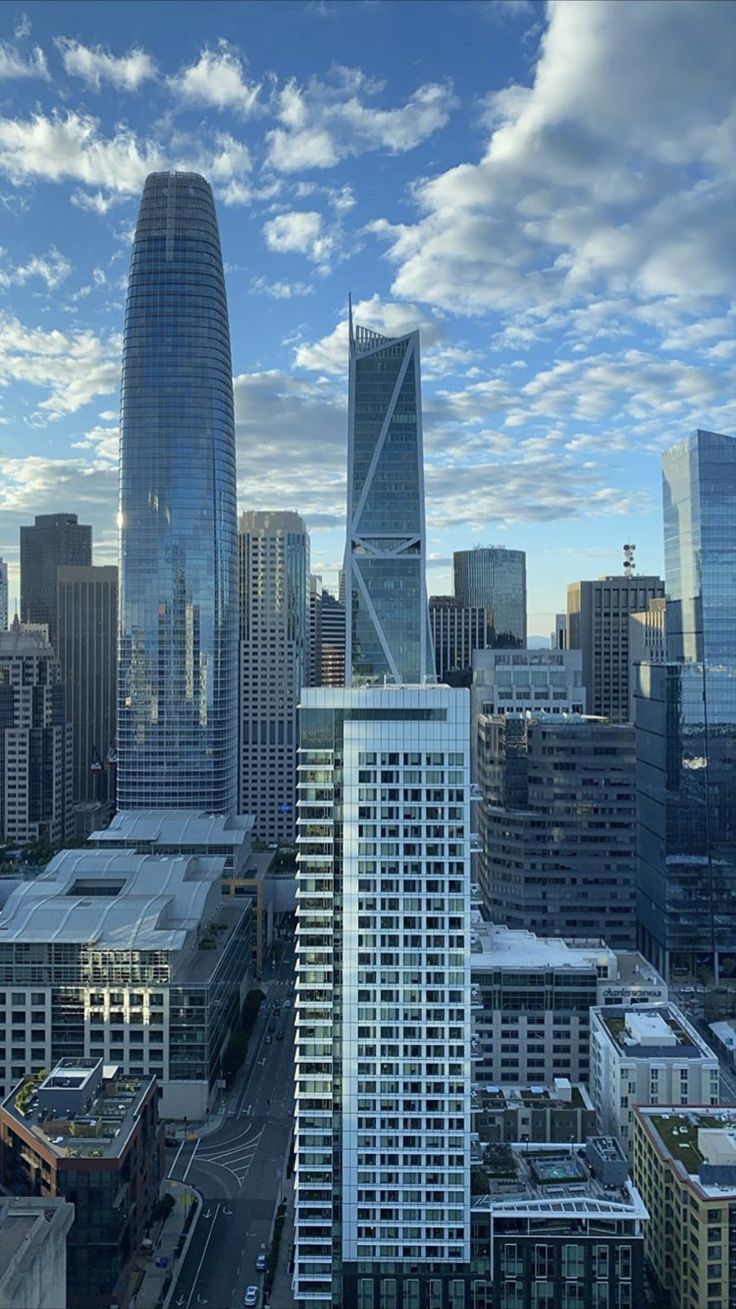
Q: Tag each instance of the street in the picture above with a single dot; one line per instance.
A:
(239, 1167)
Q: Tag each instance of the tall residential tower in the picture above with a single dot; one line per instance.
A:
(387, 624)
(177, 696)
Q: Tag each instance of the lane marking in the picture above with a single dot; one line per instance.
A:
(191, 1158)
(176, 1160)
(202, 1258)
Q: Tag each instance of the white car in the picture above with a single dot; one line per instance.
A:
(261, 1263)
(251, 1295)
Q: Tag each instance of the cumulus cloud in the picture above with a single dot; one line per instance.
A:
(51, 268)
(301, 231)
(15, 64)
(60, 147)
(329, 354)
(600, 177)
(94, 65)
(70, 367)
(324, 122)
(217, 80)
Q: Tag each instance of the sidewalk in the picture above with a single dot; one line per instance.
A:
(154, 1279)
(281, 1297)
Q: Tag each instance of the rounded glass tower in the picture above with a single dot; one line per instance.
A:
(177, 688)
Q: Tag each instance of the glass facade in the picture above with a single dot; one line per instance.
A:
(388, 625)
(686, 724)
(495, 579)
(177, 690)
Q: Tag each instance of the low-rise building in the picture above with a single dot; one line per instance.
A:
(33, 1236)
(89, 1134)
(556, 1227)
(531, 1000)
(560, 1112)
(647, 1055)
(684, 1164)
(131, 958)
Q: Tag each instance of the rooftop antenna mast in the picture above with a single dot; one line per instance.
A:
(629, 565)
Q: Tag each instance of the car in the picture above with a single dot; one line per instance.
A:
(251, 1295)
(268, 1040)
(280, 1036)
(261, 1262)
(287, 1004)
(172, 1140)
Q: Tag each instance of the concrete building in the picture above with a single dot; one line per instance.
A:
(54, 539)
(33, 1239)
(131, 958)
(646, 643)
(35, 740)
(650, 1054)
(562, 1111)
(558, 638)
(559, 1226)
(457, 631)
(332, 635)
(598, 624)
(90, 1133)
(531, 1000)
(382, 995)
(274, 650)
(4, 596)
(684, 1164)
(557, 825)
(86, 646)
(494, 578)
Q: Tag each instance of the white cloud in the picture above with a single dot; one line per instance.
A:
(52, 268)
(56, 148)
(301, 231)
(329, 355)
(95, 65)
(600, 179)
(70, 367)
(14, 64)
(281, 290)
(322, 123)
(217, 80)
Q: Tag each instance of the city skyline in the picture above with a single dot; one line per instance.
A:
(563, 343)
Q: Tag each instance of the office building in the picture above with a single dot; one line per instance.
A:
(562, 1111)
(332, 636)
(274, 650)
(457, 631)
(650, 1054)
(177, 687)
(387, 624)
(646, 644)
(531, 1000)
(33, 1237)
(686, 724)
(559, 1226)
(130, 958)
(598, 624)
(494, 578)
(557, 825)
(558, 639)
(684, 1164)
(4, 596)
(54, 539)
(314, 630)
(90, 1134)
(35, 741)
(87, 619)
(382, 996)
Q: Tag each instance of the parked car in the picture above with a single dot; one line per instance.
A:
(268, 1040)
(280, 1036)
(251, 1295)
(261, 1262)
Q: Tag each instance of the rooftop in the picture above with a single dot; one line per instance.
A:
(549, 1179)
(93, 1126)
(494, 946)
(654, 1030)
(564, 1095)
(114, 901)
(176, 827)
(685, 1136)
(25, 1225)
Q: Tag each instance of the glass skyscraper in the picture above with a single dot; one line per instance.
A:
(387, 626)
(494, 578)
(686, 724)
(177, 691)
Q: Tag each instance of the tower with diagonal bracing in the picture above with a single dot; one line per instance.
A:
(387, 629)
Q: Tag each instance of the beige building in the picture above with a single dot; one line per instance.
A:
(684, 1166)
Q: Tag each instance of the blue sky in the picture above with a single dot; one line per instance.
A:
(545, 190)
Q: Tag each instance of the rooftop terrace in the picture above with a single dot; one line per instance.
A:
(98, 1129)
